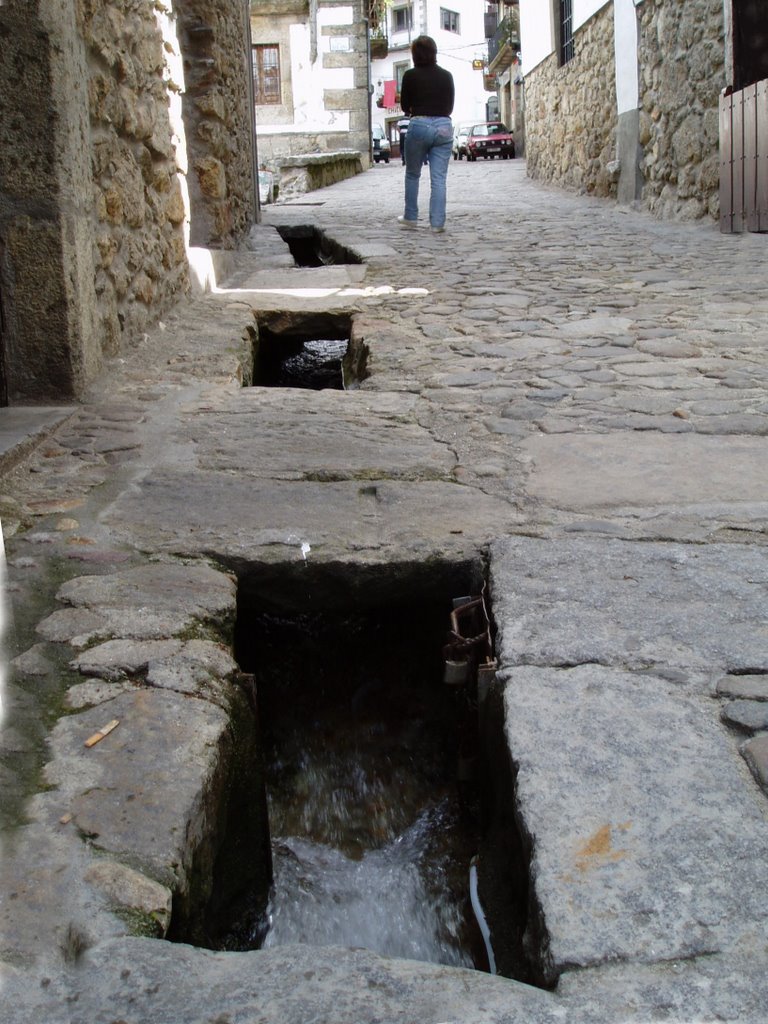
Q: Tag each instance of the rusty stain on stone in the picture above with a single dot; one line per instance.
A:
(599, 849)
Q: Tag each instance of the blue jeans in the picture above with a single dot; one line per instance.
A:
(430, 138)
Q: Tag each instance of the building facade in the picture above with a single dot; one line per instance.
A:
(622, 97)
(310, 73)
(504, 70)
(458, 28)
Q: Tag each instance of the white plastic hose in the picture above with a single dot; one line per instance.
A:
(479, 915)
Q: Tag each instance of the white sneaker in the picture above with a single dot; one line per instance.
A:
(404, 223)
(438, 231)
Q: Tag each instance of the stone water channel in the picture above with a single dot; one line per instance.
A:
(378, 803)
(373, 783)
(371, 765)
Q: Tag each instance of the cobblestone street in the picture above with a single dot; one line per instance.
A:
(565, 395)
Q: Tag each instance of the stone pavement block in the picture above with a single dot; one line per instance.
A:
(138, 981)
(46, 908)
(150, 785)
(151, 601)
(755, 752)
(646, 469)
(745, 687)
(694, 610)
(747, 715)
(231, 517)
(23, 428)
(326, 435)
(725, 987)
(647, 843)
(200, 668)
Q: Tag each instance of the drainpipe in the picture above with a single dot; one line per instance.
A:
(368, 84)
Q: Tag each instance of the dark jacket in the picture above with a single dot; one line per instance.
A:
(427, 91)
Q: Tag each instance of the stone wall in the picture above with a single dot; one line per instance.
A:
(274, 149)
(571, 114)
(49, 336)
(300, 174)
(218, 118)
(573, 132)
(137, 193)
(106, 174)
(682, 71)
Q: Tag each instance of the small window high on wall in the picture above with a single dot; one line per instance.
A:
(564, 26)
(266, 73)
(402, 19)
(449, 20)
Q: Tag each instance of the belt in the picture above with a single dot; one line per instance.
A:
(422, 117)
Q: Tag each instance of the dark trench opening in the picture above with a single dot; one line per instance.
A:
(311, 247)
(309, 351)
(378, 793)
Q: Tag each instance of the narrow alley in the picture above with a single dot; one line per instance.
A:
(559, 397)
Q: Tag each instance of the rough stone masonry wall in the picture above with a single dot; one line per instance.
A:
(93, 168)
(571, 118)
(571, 113)
(139, 211)
(682, 70)
(219, 121)
(50, 339)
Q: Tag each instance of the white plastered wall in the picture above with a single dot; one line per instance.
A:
(310, 80)
(625, 47)
(537, 26)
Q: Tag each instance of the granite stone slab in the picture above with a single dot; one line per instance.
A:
(695, 609)
(646, 842)
(610, 471)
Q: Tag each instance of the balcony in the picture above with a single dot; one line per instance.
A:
(504, 44)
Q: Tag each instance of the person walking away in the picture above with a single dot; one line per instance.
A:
(426, 96)
(402, 131)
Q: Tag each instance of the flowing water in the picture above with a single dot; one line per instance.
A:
(316, 366)
(391, 900)
(372, 836)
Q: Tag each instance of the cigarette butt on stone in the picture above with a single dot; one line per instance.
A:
(105, 731)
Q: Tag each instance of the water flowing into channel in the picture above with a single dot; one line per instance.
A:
(391, 900)
(372, 835)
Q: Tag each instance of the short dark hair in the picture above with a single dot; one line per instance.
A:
(424, 51)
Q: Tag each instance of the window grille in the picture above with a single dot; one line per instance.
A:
(565, 22)
(399, 70)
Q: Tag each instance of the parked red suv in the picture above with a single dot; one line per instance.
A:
(490, 139)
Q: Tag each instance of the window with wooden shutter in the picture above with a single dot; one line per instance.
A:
(266, 73)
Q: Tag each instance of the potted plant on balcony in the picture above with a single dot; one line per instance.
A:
(377, 20)
(379, 47)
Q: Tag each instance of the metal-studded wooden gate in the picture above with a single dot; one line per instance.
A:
(744, 159)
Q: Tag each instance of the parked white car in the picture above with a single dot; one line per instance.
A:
(381, 146)
(460, 133)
